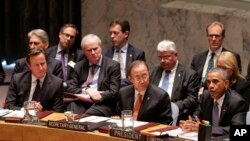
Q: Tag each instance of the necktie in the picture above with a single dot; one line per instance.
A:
(63, 66)
(211, 62)
(36, 94)
(90, 77)
(165, 82)
(122, 67)
(137, 106)
(216, 117)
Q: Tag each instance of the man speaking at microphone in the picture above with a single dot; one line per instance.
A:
(148, 102)
(219, 105)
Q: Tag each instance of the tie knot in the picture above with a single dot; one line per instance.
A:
(216, 103)
(212, 54)
(167, 71)
(38, 81)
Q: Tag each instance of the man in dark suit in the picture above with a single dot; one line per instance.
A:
(38, 85)
(215, 36)
(96, 77)
(179, 81)
(39, 38)
(122, 51)
(65, 51)
(219, 105)
(155, 105)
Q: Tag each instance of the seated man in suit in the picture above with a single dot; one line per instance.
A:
(179, 81)
(39, 38)
(98, 77)
(219, 105)
(122, 51)
(65, 51)
(204, 61)
(2, 74)
(38, 85)
(148, 102)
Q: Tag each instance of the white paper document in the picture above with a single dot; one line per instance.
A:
(16, 114)
(94, 119)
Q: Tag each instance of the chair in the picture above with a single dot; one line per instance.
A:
(175, 113)
(248, 118)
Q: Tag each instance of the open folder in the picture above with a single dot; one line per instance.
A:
(69, 97)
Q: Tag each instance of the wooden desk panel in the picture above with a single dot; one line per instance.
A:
(23, 132)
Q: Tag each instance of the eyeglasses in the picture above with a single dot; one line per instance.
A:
(214, 36)
(66, 35)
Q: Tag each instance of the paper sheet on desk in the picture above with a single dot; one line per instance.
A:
(16, 114)
(4, 112)
(94, 119)
(179, 133)
(119, 122)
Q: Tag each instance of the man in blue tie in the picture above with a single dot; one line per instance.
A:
(179, 81)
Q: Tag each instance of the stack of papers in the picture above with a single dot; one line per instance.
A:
(15, 114)
(4, 112)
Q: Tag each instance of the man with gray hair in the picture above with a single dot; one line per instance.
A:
(97, 77)
(38, 38)
(179, 81)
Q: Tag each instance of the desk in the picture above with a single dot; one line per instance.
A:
(24, 132)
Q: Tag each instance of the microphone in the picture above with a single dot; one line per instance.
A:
(175, 118)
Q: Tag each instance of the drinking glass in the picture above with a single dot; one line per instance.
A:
(127, 120)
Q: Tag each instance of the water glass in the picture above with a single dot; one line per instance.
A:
(69, 116)
(127, 120)
(30, 113)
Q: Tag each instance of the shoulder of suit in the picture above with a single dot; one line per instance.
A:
(135, 48)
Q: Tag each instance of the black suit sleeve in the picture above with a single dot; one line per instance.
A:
(248, 72)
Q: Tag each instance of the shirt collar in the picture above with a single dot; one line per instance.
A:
(217, 52)
(33, 79)
(175, 67)
(59, 49)
(220, 100)
(142, 92)
(124, 48)
(98, 63)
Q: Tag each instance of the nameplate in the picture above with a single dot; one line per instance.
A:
(66, 125)
(131, 135)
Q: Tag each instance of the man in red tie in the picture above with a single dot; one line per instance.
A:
(148, 102)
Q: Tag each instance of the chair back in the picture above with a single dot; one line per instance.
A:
(175, 113)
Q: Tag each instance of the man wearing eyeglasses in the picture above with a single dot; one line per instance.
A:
(65, 50)
(178, 80)
(205, 61)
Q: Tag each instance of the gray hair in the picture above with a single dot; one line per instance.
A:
(220, 71)
(39, 33)
(92, 37)
(166, 45)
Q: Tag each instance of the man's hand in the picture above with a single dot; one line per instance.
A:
(190, 124)
(38, 107)
(95, 95)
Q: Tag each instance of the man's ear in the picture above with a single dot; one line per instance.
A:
(130, 79)
(227, 82)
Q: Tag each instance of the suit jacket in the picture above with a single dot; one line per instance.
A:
(75, 55)
(19, 90)
(233, 106)
(199, 60)
(108, 82)
(155, 107)
(132, 55)
(248, 72)
(185, 87)
(54, 66)
(2, 74)
(243, 88)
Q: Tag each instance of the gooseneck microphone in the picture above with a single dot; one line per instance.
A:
(175, 118)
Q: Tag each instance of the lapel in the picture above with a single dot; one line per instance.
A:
(145, 103)
(26, 87)
(44, 92)
(157, 76)
(110, 52)
(224, 107)
(209, 108)
(102, 71)
(177, 80)
(85, 71)
(129, 59)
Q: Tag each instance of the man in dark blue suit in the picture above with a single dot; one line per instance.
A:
(97, 77)
(39, 38)
(23, 85)
(122, 51)
(155, 105)
(219, 105)
(215, 36)
(65, 51)
(178, 80)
